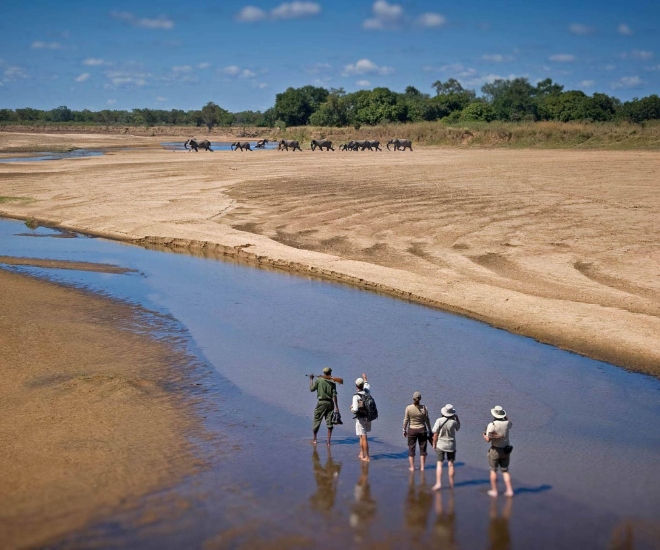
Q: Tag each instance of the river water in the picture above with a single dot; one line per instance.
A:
(586, 444)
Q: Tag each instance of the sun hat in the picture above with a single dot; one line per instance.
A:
(327, 370)
(359, 382)
(417, 395)
(448, 410)
(498, 412)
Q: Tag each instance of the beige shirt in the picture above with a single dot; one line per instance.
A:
(416, 419)
(500, 428)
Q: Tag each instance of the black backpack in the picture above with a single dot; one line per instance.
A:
(367, 407)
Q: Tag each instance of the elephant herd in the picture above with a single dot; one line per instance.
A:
(286, 144)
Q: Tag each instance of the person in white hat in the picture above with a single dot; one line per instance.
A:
(499, 454)
(444, 442)
(362, 425)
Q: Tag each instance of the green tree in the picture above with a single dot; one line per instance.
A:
(28, 114)
(296, 105)
(452, 86)
(60, 114)
(334, 112)
(479, 111)
(512, 99)
(213, 115)
(641, 110)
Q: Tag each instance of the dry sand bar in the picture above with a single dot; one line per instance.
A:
(557, 245)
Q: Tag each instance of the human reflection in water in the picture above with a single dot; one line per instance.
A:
(326, 482)
(418, 505)
(498, 532)
(364, 507)
(444, 528)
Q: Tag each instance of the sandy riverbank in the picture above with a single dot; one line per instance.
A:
(90, 421)
(557, 245)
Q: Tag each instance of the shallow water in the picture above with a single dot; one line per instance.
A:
(585, 440)
(217, 146)
(75, 154)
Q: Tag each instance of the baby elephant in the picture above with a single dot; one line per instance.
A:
(321, 143)
(286, 143)
(261, 144)
(240, 145)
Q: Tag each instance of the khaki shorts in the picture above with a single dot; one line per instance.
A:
(497, 458)
(451, 455)
(362, 427)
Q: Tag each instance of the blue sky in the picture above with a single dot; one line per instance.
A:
(240, 53)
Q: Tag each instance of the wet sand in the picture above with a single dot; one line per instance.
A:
(93, 416)
(557, 245)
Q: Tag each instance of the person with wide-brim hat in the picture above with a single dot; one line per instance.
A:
(444, 442)
(326, 394)
(499, 454)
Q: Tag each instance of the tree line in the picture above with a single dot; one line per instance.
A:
(514, 100)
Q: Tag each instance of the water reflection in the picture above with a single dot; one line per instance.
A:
(364, 508)
(498, 531)
(326, 477)
(419, 501)
(444, 527)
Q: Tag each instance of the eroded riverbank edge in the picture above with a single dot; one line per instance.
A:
(100, 408)
(586, 329)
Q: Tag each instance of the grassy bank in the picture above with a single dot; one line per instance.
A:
(540, 135)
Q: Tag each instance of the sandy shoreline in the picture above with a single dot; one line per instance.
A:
(557, 245)
(89, 423)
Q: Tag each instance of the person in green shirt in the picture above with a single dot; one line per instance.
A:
(326, 391)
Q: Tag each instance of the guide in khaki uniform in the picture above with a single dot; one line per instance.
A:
(326, 392)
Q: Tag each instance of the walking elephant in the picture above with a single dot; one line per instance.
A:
(240, 145)
(321, 143)
(360, 145)
(400, 144)
(375, 145)
(261, 144)
(195, 145)
(286, 143)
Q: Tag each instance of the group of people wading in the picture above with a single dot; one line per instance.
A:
(417, 429)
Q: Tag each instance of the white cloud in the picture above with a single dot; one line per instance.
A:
(13, 73)
(385, 16)
(636, 54)
(562, 58)
(160, 99)
(82, 77)
(182, 69)
(363, 83)
(232, 70)
(251, 13)
(111, 101)
(95, 62)
(318, 68)
(162, 22)
(287, 10)
(366, 66)
(626, 82)
(295, 10)
(587, 83)
(126, 79)
(203, 65)
(37, 45)
(497, 58)
(432, 20)
(236, 71)
(610, 67)
(624, 30)
(452, 67)
(654, 68)
(580, 29)
(262, 85)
